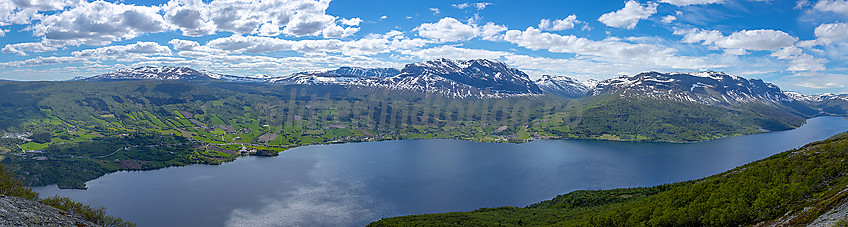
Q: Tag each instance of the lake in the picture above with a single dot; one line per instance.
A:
(356, 183)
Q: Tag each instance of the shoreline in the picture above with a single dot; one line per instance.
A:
(458, 139)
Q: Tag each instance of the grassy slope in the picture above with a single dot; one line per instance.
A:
(674, 121)
(801, 183)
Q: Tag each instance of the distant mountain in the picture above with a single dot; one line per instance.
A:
(816, 98)
(684, 107)
(483, 78)
(364, 72)
(154, 73)
(316, 79)
(241, 79)
(832, 104)
(457, 78)
(702, 87)
(563, 85)
(341, 76)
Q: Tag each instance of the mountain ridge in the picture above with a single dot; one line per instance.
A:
(483, 78)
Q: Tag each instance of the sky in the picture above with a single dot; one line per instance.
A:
(799, 45)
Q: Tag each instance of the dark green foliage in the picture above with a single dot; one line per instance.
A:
(11, 186)
(10, 144)
(71, 165)
(97, 216)
(585, 198)
(674, 121)
(799, 184)
(40, 137)
(65, 173)
(266, 153)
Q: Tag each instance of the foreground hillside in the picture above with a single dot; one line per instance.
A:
(21, 206)
(795, 187)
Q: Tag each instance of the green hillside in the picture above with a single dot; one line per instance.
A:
(74, 131)
(677, 121)
(793, 187)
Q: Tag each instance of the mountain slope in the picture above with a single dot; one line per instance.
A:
(562, 85)
(791, 188)
(341, 76)
(316, 79)
(24, 212)
(472, 78)
(712, 88)
(831, 104)
(153, 73)
(364, 72)
(680, 107)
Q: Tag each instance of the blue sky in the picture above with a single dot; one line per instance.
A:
(798, 45)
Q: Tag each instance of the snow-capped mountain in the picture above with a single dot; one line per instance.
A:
(172, 73)
(341, 76)
(153, 73)
(472, 78)
(260, 78)
(486, 78)
(563, 85)
(702, 87)
(457, 78)
(316, 79)
(364, 72)
(816, 98)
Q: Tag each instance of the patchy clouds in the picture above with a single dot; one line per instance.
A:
(800, 45)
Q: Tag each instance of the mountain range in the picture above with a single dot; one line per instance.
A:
(482, 78)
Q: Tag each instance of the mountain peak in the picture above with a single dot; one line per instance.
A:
(154, 73)
(463, 78)
(704, 87)
(562, 85)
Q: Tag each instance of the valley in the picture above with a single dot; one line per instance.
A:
(146, 118)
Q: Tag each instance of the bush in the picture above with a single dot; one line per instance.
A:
(97, 216)
(11, 186)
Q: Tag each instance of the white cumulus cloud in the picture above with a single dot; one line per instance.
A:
(22, 48)
(692, 2)
(630, 15)
(447, 29)
(836, 6)
(559, 25)
(99, 23)
(668, 19)
(263, 17)
(763, 39)
(479, 5)
(800, 61)
(829, 33)
(125, 53)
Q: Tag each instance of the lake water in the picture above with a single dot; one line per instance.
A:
(356, 183)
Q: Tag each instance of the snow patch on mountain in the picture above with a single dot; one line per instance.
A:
(562, 85)
(701, 87)
(472, 78)
(153, 73)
